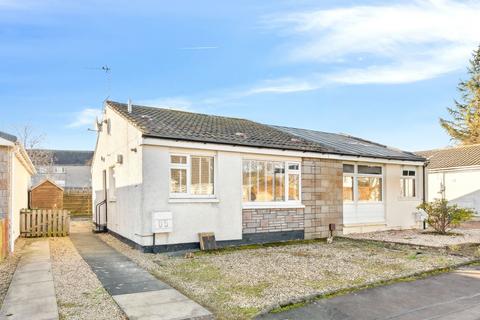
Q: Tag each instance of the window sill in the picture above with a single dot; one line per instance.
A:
(273, 205)
(193, 200)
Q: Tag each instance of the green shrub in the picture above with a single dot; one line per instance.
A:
(442, 216)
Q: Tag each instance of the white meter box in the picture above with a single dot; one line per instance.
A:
(162, 222)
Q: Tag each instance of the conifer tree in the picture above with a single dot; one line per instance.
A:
(464, 125)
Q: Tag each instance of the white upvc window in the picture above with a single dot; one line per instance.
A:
(192, 175)
(362, 183)
(408, 182)
(269, 181)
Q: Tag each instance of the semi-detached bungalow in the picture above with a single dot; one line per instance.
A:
(176, 174)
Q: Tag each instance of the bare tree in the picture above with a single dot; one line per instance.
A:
(43, 160)
(29, 138)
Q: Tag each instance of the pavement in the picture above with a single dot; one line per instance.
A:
(450, 296)
(31, 294)
(139, 294)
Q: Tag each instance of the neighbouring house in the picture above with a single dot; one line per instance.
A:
(69, 169)
(16, 170)
(163, 176)
(454, 174)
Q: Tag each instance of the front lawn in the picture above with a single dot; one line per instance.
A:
(239, 283)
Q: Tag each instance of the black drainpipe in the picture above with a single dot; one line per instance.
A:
(424, 198)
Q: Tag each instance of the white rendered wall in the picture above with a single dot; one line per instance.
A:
(20, 185)
(223, 215)
(125, 209)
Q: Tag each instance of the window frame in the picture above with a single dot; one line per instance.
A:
(188, 167)
(415, 182)
(286, 202)
(356, 175)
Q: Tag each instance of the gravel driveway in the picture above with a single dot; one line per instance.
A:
(237, 284)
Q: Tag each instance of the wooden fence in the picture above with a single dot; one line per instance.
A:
(3, 239)
(78, 201)
(44, 223)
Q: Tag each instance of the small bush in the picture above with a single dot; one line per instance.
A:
(442, 216)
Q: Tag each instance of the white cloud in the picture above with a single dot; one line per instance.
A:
(177, 103)
(285, 85)
(394, 43)
(84, 118)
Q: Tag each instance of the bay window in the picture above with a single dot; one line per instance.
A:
(362, 183)
(408, 183)
(191, 175)
(270, 181)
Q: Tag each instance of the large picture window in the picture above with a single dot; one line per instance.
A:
(270, 181)
(191, 175)
(362, 183)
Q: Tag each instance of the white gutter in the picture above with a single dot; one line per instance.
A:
(147, 141)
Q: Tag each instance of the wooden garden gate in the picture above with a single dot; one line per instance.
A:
(44, 223)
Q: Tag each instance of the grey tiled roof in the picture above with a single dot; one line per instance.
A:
(8, 136)
(188, 126)
(67, 157)
(460, 156)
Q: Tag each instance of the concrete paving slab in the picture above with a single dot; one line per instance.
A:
(128, 287)
(30, 277)
(35, 309)
(35, 266)
(27, 291)
(31, 294)
(161, 305)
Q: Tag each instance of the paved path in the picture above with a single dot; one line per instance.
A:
(452, 296)
(137, 292)
(31, 294)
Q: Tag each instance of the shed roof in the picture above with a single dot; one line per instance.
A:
(453, 157)
(189, 126)
(44, 181)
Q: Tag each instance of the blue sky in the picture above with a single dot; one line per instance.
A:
(381, 70)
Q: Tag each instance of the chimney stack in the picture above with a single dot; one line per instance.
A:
(129, 108)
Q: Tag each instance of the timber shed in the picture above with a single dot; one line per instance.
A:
(46, 195)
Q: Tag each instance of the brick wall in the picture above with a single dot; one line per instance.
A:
(4, 179)
(271, 220)
(322, 182)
